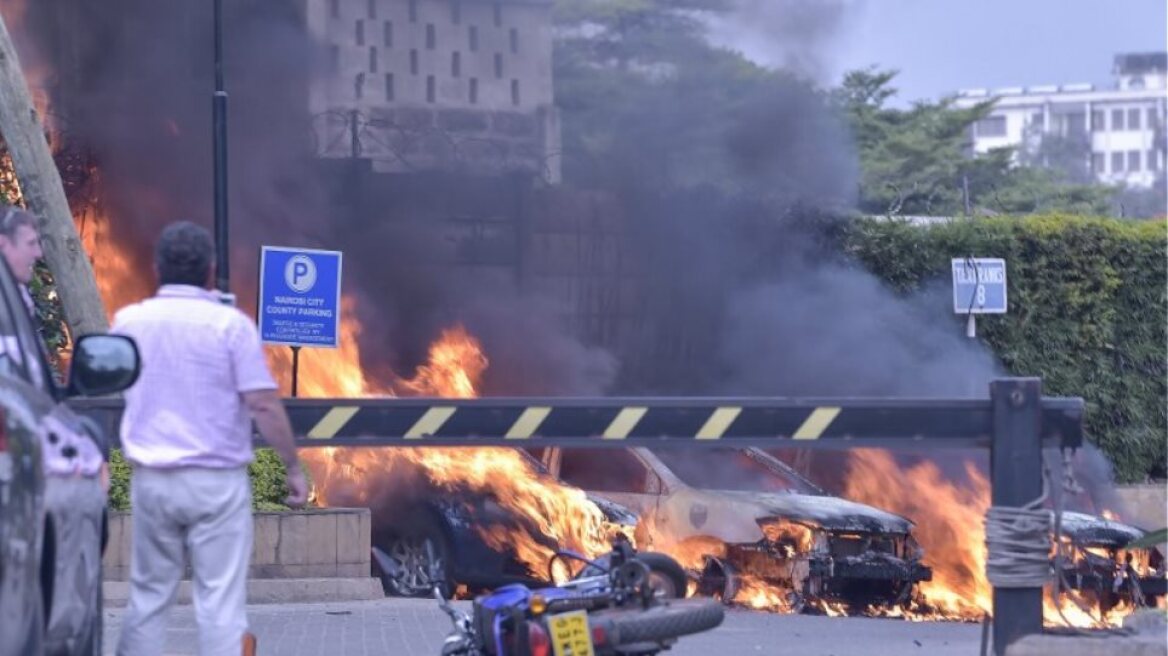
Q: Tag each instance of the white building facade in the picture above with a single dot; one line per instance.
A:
(1124, 126)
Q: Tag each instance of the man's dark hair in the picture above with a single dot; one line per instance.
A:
(184, 254)
(12, 218)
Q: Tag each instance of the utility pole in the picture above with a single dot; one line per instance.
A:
(40, 183)
(219, 136)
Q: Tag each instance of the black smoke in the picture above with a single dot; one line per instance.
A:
(131, 85)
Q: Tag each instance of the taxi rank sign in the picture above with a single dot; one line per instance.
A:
(979, 287)
(300, 293)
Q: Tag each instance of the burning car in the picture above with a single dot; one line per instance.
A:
(1104, 568)
(477, 538)
(739, 516)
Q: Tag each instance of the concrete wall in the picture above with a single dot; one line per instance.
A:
(325, 543)
(491, 59)
(1145, 506)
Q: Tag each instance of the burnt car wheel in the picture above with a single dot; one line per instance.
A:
(412, 560)
(666, 577)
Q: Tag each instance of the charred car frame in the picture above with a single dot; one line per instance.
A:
(745, 511)
(1103, 568)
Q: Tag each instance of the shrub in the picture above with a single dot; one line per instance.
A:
(268, 477)
(1087, 312)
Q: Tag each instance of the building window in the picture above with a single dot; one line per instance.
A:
(431, 37)
(992, 126)
(335, 58)
(1075, 123)
(429, 88)
(1098, 121)
(1117, 162)
(389, 87)
(497, 11)
(499, 65)
(1133, 161)
(514, 41)
(360, 36)
(373, 60)
(359, 86)
(456, 12)
(474, 90)
(413, 11)
(472, 35)
(387, 34)
(456, 64)
(372, 9)
(1037, 120)
(1098, 163)
(1133, 119)
(1152, 118)
(413, 62)
(335, 8)
(1116, 119)
(1153, 161)
(514, 92)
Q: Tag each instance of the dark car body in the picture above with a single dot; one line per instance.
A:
(52, 499)
(414, 535)
(1102, 565)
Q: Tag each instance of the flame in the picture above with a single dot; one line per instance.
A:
(455, 365)
(948, 525)
(950, 528)
(796, 538)
(37, 73)
(757, 594)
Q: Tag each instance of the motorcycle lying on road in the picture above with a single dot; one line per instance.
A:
(622, 604)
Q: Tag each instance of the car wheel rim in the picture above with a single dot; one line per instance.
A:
(662, 586)
(416, 558)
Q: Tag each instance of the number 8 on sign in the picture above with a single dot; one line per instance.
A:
(981, 296)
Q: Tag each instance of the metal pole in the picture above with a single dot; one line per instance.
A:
(1016, 480)
(219, 137)
(295, 369)
(965, 192)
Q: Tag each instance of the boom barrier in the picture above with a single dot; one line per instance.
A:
(1015, 423)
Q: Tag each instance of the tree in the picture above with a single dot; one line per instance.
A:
(918, 160)
(648, 104)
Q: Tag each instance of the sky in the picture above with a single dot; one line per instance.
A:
(940, 46)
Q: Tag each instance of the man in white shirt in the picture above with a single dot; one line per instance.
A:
(187, 429)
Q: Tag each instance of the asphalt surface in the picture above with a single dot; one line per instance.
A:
(414, 627)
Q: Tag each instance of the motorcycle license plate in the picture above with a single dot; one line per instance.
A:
(570, 634)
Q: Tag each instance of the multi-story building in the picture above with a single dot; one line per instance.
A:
(436, 84)
(1122, 129)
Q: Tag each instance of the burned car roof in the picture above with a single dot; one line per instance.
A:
(758, 478)
(832, 513)
(1090, 530)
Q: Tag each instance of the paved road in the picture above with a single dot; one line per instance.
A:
(406, 627)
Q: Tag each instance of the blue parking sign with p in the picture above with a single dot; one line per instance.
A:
(300, 294)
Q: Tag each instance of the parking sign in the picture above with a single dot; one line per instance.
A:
(979, 285)
(300, 293)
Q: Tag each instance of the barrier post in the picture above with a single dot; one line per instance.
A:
(1016, 480)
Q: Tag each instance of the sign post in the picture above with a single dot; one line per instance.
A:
(979, 287)
(299, 300)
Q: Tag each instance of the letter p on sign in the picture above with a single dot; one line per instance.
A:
(300, 274)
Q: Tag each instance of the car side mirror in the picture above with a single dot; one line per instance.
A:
(103, 364)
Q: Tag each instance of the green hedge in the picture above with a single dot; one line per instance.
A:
(267, 474)
(1088, 312)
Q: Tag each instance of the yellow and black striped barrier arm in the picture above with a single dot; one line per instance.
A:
(646, 421)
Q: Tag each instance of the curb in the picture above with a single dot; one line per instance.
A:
(271, 591)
